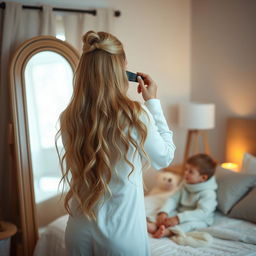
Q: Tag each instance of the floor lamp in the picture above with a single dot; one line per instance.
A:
(197, 118)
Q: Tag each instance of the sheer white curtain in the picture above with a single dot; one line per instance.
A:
(72, 26)
(17, 25)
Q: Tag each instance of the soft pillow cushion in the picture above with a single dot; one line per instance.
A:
(249, 164)
(246, 208)
(232, 186)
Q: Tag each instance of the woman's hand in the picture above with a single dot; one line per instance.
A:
(147, 87)
(170, 222)
(160, 219)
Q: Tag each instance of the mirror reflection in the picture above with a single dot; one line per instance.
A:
(48, 81)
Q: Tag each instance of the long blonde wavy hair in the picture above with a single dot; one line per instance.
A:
(93, 125)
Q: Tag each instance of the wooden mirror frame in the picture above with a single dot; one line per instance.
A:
(20, 134)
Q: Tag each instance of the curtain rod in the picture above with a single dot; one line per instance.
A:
(93, 12)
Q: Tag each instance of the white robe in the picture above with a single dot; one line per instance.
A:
(121, 226)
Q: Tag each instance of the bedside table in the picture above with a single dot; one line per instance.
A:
(6, 232)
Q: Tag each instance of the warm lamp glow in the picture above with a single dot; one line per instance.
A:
(230, 166)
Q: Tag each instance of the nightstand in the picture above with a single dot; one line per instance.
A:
(6, 232)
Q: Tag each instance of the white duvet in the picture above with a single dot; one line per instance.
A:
(223, 227)
(232, 237)
(233, 229)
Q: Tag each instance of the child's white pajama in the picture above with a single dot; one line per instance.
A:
(194, 205)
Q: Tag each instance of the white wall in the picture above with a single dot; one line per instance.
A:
(156, 36)
(224, 62)
(202, 50)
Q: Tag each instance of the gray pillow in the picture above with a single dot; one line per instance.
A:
(246, 208)
(232, 186)
(249, 164)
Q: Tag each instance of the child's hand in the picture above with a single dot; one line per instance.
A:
(170, 222)
(161, 217)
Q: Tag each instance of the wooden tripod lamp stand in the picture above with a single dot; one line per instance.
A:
(197, 118)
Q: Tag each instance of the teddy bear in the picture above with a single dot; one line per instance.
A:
(166, 182)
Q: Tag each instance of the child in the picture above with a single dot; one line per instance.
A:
(194, 203)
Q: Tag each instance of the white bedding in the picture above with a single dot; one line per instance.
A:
(232, 237)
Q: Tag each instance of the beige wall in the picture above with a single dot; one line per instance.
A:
(223, 61)
(203, 52)
(156, 36)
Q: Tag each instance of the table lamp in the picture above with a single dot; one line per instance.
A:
(197, 118)
(230, 166)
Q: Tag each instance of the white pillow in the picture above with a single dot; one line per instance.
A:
(249, 164)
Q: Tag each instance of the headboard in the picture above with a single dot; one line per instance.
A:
(241, 138)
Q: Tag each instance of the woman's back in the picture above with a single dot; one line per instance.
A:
(105, 151)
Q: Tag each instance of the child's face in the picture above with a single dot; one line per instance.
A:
(192, 175)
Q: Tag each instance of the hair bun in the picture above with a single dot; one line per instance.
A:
(91, 41)
(103, 41)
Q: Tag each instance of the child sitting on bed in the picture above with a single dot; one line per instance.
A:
(194, 203)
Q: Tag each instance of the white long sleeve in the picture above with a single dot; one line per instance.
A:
(159, 143)
(171, 204)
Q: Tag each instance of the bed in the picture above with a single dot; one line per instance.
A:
(234, 228)
(232, 237)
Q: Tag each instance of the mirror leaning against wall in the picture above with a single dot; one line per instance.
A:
(41, 75)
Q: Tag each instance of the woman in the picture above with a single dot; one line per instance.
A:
(108, 139)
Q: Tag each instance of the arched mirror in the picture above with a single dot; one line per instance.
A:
(41, 75)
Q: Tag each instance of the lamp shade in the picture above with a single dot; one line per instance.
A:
(197, 116)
